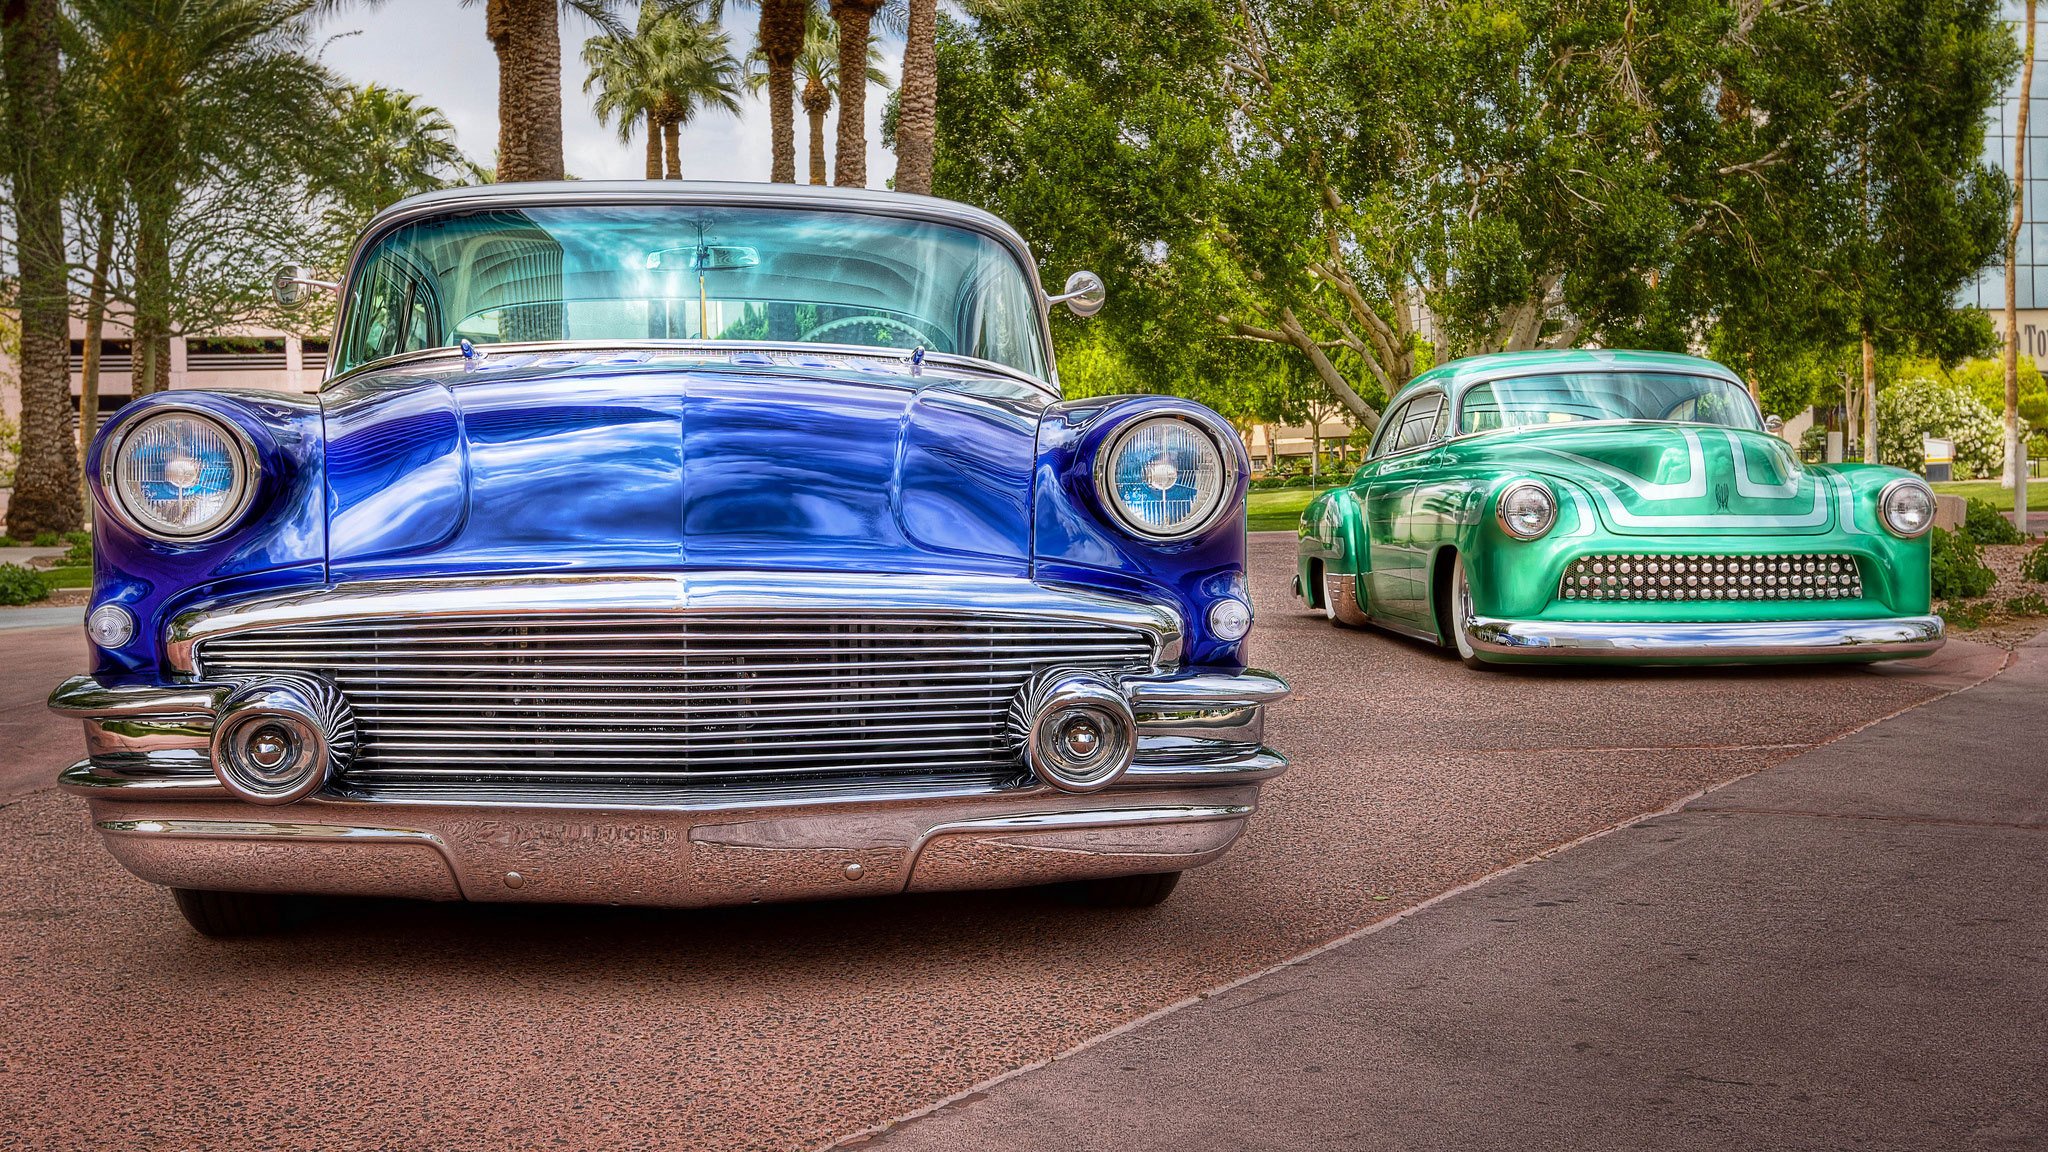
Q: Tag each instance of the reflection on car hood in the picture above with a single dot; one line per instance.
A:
(650, 461)
(1646, 478)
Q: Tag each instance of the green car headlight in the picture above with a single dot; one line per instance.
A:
(1526, 509)
(178, 475)
(1907, 507)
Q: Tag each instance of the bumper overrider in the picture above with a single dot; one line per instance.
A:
(244, 784)
(1761, 641)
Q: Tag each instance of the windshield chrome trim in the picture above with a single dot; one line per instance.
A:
(709, 347)
(571, 193)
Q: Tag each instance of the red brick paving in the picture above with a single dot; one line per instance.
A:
(383, 1025)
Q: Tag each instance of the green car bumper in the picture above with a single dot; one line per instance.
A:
(1719, 642)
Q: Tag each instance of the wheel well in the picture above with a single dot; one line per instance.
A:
(1312, 588)
(1440, 592)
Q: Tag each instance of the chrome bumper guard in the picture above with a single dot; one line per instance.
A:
(1786, 641)
(155, 797)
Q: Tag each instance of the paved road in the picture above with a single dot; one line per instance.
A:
(382, 1025)
(1849, 950)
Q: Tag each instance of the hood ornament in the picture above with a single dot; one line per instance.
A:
(917, 360)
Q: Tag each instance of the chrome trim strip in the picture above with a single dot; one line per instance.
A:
(1204, 690)
(669, 594)
(1097, 818)
(268, 830)
(1891, 639)
(85, 698)
(716, 352)
(86, 778)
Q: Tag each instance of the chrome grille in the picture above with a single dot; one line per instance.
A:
(1779, 576)
(679, 698)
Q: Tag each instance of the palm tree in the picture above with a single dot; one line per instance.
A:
(917, 109)
(527, 36)
(782, 38)
(850, 165)
(669, 69)
(818, 67)
(199, 87)
(46, 484)
(389, 145)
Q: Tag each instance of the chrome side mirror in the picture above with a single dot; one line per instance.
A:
(1084, 295)
(1773, 425)
(293, 285)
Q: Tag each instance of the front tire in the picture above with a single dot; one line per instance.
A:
(1146, 891)
(225, 915)
(1461, 613)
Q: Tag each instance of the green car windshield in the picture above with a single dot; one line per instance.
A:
(1565, 398)
(634, 273)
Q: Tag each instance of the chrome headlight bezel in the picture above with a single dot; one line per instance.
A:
(243, 460)
(1884, 501)
(1105, 476)
(1500, 504)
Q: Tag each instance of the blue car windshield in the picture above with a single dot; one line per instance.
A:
(634, 273)
(1572, 397)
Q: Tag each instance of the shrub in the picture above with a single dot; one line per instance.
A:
(2035, 566)
(48, 540)
(81, 548)
(1987, 525)
(20, 585)
(1919, 407)
(2030, 604)
(1813, 444)
(1959, 571)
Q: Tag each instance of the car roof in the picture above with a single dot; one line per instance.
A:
(726, 193)
(1463, 373)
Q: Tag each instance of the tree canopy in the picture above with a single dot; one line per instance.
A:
(1375, 185)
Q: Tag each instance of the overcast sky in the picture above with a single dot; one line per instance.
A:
(436, 48)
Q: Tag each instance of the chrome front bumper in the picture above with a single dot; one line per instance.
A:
(1758, 642)
(153, 794)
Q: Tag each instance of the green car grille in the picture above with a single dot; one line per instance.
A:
(1785, 576)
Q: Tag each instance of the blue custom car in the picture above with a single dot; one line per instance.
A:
(672, 544)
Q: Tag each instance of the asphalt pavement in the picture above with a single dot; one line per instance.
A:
(385, 1024)
(1848, 950)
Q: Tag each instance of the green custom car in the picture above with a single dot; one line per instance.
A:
(1616, 507)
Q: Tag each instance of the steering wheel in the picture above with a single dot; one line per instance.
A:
(915, 333)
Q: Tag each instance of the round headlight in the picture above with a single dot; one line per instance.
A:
(178, 475)
(1164, 477)
(1906, 507)
(1527, 509)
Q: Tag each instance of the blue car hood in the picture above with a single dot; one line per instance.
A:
(585, 463)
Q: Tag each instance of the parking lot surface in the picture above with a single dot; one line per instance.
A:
(1843, 951)
(379, 1025)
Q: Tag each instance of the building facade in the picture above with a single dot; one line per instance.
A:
(2000, 136)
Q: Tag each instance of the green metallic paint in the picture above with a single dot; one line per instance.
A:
(1641, 487)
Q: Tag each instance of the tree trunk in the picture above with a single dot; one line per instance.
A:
(2011, 474)
(152, 343)
(817, 102)
(95, 326)
(917, 110)
(850, 162)
(1870, 454)
(672, 147)
(653, 147)
(782, 40)
(46, 481)
(527, 37)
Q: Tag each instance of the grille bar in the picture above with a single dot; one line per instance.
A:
(1695, 578)
(673, 698)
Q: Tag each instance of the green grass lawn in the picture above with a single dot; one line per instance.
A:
(79, 576)
(1280, 510)
(2037, 493)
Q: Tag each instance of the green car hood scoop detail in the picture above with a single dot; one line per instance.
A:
(1652, 479)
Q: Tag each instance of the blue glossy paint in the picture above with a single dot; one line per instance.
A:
(280, 542)
(1077, 541)
(641, 461)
